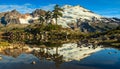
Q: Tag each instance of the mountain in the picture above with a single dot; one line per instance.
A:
(86, 20)
(17, 18)
(75, 17)
(9, 17)
(38, 12)
(71, 13)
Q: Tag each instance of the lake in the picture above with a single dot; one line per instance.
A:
(67, 56)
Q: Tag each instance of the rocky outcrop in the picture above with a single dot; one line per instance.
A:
(15, 17)
(97, 25)
(38, 12)
(10, 21)
(10, 17)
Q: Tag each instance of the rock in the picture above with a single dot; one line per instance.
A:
(10, 17)
(25, 48)
(10, 47)
(12, 50)
(0, 57)
(38, 12)
(33, 62)
(42, 46)
(0, 49)
(109, 52)
(12, 21)
(84, 54)
(48, 58)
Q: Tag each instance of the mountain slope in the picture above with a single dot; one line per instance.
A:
(71, 13)
(73, 17)
(86, 20)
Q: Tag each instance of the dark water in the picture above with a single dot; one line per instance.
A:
(108, 58)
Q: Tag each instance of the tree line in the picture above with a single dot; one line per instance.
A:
(49, 15)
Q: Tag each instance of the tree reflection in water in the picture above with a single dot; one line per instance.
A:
(43, 53)
(59, 53)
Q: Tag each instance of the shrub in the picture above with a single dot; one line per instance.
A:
(50, 27)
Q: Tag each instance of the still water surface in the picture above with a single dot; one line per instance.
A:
(69, 56)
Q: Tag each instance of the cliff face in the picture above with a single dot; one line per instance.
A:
(10, 17)
(102, 24)
(38, 12)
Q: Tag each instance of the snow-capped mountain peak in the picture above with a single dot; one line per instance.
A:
(77, 12)
(72, 13)
(73, 16)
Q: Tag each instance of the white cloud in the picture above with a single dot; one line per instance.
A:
(22, 8)
(26, 8)
(48, 7)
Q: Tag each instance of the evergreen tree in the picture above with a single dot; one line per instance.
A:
(48, 16)
(41, 18)
(57, 12)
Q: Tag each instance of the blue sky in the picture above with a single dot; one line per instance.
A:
(108, 8)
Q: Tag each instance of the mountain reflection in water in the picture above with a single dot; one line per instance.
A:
(69, 55)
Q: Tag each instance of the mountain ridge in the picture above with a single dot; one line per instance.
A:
(73, 16)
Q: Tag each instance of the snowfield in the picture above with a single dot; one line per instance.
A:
(72, 13)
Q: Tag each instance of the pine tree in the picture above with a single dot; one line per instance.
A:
(48, 16)
(41, 18)
(57, 12)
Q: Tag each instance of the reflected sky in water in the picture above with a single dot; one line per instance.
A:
(105, 58)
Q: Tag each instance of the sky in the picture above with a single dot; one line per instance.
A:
(107, 8)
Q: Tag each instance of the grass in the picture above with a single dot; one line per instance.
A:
(111, 43)
(10, 27)
(116, 44)
(3, 44)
